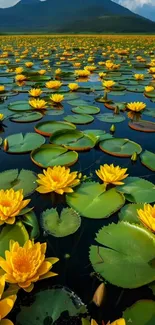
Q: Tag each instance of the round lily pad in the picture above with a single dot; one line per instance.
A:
(73, 140)
(61, 226)
(50, 155)
(22, 105)
(148, 159)
(78, 102)
(86, 110)
(120, 147)
(142, 312)
(126, 247)
(99, 134)
(47, 128)
(129, 212)
(22, 143)
(26, 117)
(136, 89)
(79, 118)
(110, 118)
(149, 112)
(112, 106)
(143, 126)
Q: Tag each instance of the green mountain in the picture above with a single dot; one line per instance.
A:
(71, 16)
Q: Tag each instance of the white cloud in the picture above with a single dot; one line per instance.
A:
(133, 4)
(7, 3)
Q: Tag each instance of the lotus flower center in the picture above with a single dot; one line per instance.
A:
(22, 264)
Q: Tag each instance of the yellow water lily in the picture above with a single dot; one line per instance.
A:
(136, 106)
(108, 83)
(90, 68)
(148, 89)
(1, 117)
(58, 71)
(139, 76)
(35, 92)
(38, 103)
(26, 265)
(6, 304)
(2, 88)
(29, 64)
(109, 65)
(147, 216)
(77, 64)
(42, 72)
(19, 70)
(57, 98)
(102, 74)
(11, 204)
(20, 77)
(110, 174)
(73, 86)
(53, 84)
(120, 321)
(82, 73)
(57, 179)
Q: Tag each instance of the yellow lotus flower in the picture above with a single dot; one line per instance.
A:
(38, 103)
(6, 304)
(82, 73)
(110, 174)
(149, 89)
(147, 216)
(58, 71)
(29, 64)
(46, 61)
(77, 64)
(151, 70)
(25, 265)
(90, 68)
(20, 77)
(53, 84)
(139, 76)
(11, 204)
(42, 72)
(35, 92)
(57, 98)
(1, 117)
(109, 65)
(120, 321)
(73, 86)
(57, 179)
(2, 88)
(108, 84)
(102, 74)
(19, 70)
(136, 106)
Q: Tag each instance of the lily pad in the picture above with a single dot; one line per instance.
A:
(50, 155)
(22, 105)
(73, 140)
(77, 102)
(47, 128)
(112, 106)
(61, 226)
(13, 178)
(120, 147)
(138, 190)
(110, 118)
(22, 143)
(86, 110)
(142, 312)
(143, 126)
(31, 221)
(26, 117)
(149, 112)
(91, 200)
(99, 134)
(148, 159)
(136, 89)
(79, 118)
(129, 213)
(126, 247)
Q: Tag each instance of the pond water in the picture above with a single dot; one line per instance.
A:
(74, 269)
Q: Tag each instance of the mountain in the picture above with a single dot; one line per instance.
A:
(77, 16)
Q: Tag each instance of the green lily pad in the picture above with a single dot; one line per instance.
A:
(99, 134)
(22, 143)
(113, 106)
(47, 128)
(124, 247)
(143, 126)
(39, 78)
(41, 311)
(21, 105)
(77, 102)
(73, 140)
(61, 226)
(110, 118)
(138, 190)
(142, 312)
(79, 118)
(86, 110)
(31, 221)
(129, 213)
(16, 232)
(149, 112)
(26, 117)
(50, 155)
(148, 159)
(91, 200)
(54, 112)
(120, 147)
(13, 178)
(136, 89)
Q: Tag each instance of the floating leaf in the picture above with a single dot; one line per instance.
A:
(78, 102)
(50, 155)
(91, 200)
(79, 118)
(149, 112)
(47, 128)
(125, 255)
(42, 309)
(129, 213)
(30, 220)
(120, 147)
(67, 224)
(87, 109)
(148, 159)
(26, 117)
(73, 140)
(22, 143)
(143, 126)
(121, 106)
(22, 105)
(142, 312)
(110, 118)
(138, 190)
(99, 134)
